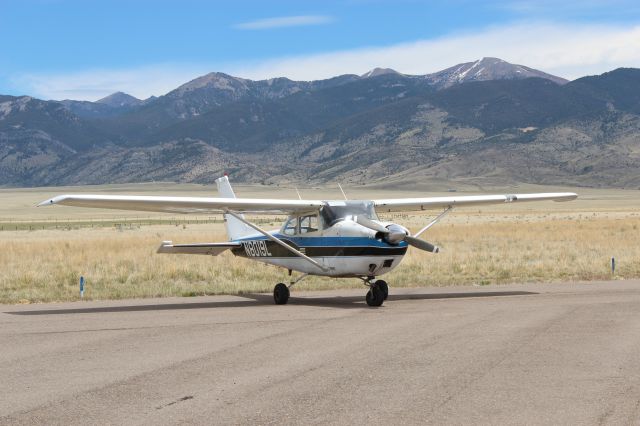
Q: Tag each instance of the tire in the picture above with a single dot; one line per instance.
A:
(384, 287)
(281, 294)
(375, 296)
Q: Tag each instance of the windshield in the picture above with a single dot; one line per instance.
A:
(338, 210)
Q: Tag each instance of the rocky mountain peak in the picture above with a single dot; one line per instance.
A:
(484, 69)
(119, 99)
(379, 71)
(214, 80)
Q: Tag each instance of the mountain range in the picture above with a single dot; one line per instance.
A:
(486, 121)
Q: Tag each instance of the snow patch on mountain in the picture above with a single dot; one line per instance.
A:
(486, 69)
(379, 71)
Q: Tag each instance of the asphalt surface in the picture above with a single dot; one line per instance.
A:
(524, 354)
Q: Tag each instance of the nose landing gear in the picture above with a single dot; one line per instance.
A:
(378, 291)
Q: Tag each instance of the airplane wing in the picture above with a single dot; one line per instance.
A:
(201, 205)
(414, 204)
(212, 249)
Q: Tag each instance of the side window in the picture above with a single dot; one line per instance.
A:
(308, 224)
(291, 228)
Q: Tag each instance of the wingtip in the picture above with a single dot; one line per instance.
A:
(569, 196)
(52, 201)
(48, 202)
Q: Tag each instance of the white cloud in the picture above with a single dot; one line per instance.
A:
(567, 7)
(284, 21)
(567, 50)
(94, 84)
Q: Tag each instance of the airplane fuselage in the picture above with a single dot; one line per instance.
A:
(346, 248)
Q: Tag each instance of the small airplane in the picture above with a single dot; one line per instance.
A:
(338, 238)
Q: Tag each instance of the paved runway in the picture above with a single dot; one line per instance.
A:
(524, 354)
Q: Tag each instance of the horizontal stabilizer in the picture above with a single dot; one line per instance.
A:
(212, 249)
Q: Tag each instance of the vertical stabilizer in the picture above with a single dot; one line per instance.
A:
(235, 228)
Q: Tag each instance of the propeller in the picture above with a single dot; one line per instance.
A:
(421, 244)
(394, 234)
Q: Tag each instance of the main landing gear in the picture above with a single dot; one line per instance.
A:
(378, 292)
(281, 294)
(281, 290)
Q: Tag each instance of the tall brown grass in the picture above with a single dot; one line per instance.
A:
(477, 248)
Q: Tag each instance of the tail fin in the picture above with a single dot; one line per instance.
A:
(235, 228)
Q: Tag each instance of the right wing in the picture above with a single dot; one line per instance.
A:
(201, 205)
(212, 249)
(417, 204)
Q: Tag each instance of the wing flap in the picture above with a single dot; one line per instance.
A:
(201, 205)
(211, 249)
(415, 204)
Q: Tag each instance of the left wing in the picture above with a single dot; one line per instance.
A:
(414, 204)
(199, 205)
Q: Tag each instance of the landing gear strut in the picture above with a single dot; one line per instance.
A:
(378, 292)
(281, 290)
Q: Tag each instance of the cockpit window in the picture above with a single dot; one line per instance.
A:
(301, 225)
(291, 227)
(308, 224)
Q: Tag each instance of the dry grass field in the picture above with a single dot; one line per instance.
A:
(537, 242)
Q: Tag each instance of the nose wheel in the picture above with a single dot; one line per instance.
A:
(377, 294)
(384, 287)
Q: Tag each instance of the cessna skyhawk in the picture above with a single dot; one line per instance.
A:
(329, 238)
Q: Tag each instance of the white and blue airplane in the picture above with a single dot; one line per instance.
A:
(341, 239)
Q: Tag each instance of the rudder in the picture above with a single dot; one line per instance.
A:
(235, 228)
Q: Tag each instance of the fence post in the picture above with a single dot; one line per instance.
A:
(613, 266)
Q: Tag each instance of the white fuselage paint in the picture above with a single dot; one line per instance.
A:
(255, 247)
(356, 266)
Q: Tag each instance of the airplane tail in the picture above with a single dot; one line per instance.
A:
(235, 228)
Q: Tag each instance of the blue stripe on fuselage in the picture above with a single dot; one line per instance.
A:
(328, 241)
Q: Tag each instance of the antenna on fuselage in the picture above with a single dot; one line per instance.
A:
(341, 190)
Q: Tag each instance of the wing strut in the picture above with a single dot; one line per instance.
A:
(277, 240)
(434, 221)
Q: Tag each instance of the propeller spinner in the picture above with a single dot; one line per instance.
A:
(393, 234)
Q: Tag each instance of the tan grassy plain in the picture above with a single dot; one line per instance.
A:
(541, 242)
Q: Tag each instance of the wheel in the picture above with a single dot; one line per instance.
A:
(384, 287)
(281, 294)
(375, 296)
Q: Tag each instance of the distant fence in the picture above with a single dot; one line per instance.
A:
(122, 223)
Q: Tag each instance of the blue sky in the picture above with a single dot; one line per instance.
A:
(58, 49)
